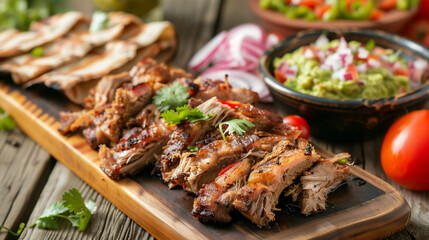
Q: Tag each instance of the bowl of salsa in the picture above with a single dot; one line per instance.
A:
(349, 84)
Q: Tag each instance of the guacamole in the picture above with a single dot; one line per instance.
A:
(347, 70)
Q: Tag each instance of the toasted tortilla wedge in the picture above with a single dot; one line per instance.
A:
(50, 29)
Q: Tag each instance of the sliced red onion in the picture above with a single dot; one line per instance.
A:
(395, 65)
(321, 41)
(420, 64)
(321, 55)
(374, 63)
(291, 72)
(348, 76)
(362, 68)
(283, 67)
(343, 44)
(362, 53)
(242, 79)
(203, 57)
(361, 83)
(308, 54)
(271, 41)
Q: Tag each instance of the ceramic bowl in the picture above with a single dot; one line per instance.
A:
(345, 119)
(392, 21)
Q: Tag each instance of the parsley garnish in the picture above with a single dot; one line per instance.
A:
(6, 121)
(193, 148)
(99, 21)
(341, 161)
(237, 126)
(171, 97)
(37, 52)
(182, 114)
(370, 45)
(17, 233)
(72, 208)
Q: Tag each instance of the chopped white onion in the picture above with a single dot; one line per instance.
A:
(308, 54)
(362, 53)
(420, 64)
(321, 41)
(374, 63)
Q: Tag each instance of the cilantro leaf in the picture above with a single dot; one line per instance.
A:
(184, 113)
(72, 208)
(17, 233)
(193, 148)
(237, 126)
(394, 56)
(370, 45)
(99, 21)
(171, 97)
(37, 52)
(6, 121)
(74, 201)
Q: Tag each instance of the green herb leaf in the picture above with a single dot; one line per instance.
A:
(341, 161)
(99, 21)
(394, 56)
(37, 52)
(171, 97)
(72, 208)
(370, 45)
(17, 233)
(237, 126)
(193, 148)
(182, 114)
(74, 201)
(6, 121)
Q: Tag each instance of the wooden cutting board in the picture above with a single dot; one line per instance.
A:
(364, 207)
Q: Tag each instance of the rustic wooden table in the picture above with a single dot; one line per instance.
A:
(31, 179)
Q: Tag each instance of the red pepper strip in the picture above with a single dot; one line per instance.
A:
(231, 104)
(228, 167)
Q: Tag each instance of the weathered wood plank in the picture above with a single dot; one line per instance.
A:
(24, 169)
(107, 223)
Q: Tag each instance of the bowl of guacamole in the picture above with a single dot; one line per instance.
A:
(348, 84)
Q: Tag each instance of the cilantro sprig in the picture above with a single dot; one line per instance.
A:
(72, 208)
(184, 113)
(6, 121)
(99, 21)
(18, 232)
(171, 97)
(237, 126)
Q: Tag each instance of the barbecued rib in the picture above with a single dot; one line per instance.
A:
(136, 150)
(189, 133)
(259, 197)
(214, 201)
(49, 29)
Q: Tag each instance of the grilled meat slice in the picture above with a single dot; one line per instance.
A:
(196, 169)
(206, 89)
(214, 201)
(136, 150)
(148, 115)
(259, 197)
(319, 181)
(189, 133)
(49, 29)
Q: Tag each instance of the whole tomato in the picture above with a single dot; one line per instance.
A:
(404, 153)
(300, 123)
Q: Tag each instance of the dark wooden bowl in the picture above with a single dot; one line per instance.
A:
(393, 21)
(345, 119)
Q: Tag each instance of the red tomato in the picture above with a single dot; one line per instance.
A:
(279, 76)
(300, 123)
(423, 10)
(404, 153)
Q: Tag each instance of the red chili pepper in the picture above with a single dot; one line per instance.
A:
(231, 104)
(228, 167)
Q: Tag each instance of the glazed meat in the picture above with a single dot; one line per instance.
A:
(214, 201)
(136, 150)
(259, 197)
(189, 133)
